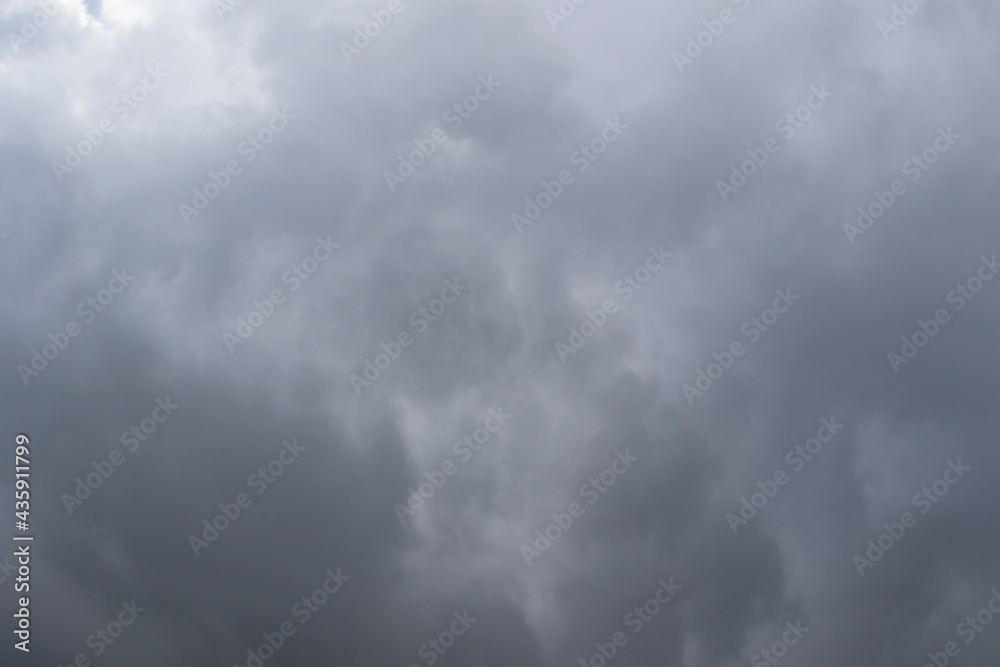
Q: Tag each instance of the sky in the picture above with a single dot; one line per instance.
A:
(515, 333)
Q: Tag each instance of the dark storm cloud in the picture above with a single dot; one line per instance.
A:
(269, 135)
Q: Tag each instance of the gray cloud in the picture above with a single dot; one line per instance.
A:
(495, 347)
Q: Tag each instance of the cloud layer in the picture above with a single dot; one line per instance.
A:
(619, 328)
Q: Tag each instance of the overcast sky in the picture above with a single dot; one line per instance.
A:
(700, 292)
